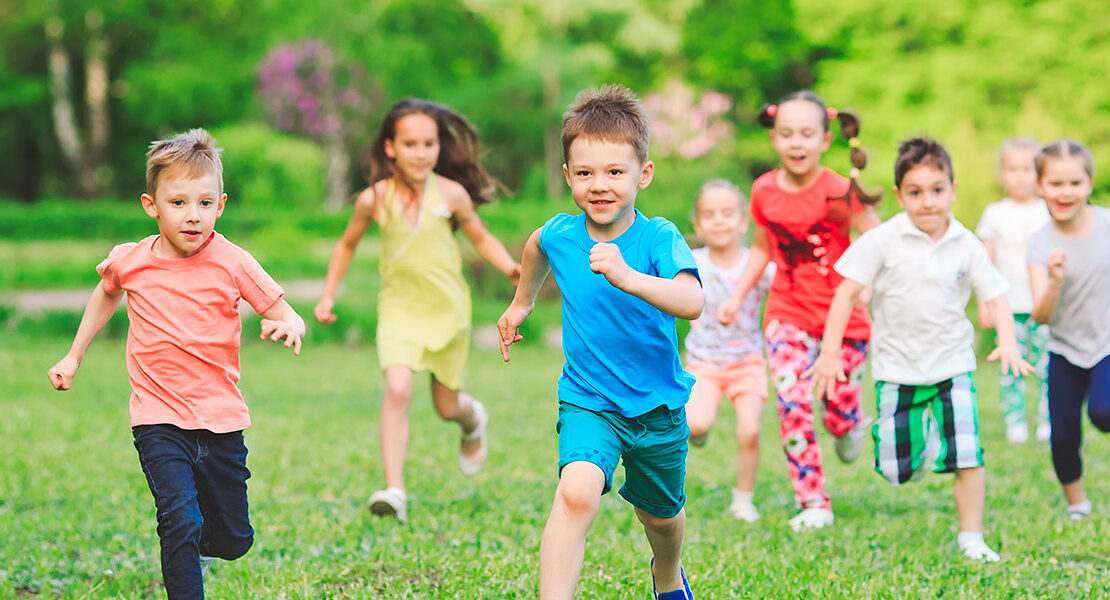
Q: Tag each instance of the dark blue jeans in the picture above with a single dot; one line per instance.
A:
(199, 482)
(1068, 387)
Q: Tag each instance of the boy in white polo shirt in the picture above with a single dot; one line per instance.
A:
(923, 264)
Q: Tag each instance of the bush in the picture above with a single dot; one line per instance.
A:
(264, 169)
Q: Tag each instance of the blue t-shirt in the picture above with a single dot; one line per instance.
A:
(621, 352)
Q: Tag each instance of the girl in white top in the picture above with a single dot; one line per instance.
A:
(1005, 228)
(727, 359)
(1069, 269)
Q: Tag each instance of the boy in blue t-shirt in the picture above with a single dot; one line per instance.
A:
(623, 391)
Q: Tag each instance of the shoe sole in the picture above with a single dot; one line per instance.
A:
(381, 508)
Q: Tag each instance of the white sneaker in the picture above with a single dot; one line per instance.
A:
(390, 502)
(1078, 512)
(979, 550)
(745, 511)
(205, 564)
(1017, 433)
(472, 465)
(849, 445)
(1044, 432)
(811, 518)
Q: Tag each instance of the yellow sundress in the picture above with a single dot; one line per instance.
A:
(424, 303)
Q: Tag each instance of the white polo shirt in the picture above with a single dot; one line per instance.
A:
(920, 334)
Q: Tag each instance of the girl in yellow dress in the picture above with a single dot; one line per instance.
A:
(425, 182)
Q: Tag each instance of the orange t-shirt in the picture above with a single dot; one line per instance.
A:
(183, 332)
(807, 231)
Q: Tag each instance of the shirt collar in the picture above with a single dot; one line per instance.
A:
(906, 227)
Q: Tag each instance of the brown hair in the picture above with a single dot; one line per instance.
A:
(849, 128)
(458, 149)
(194, 151)
(1065, 148)
(921, 151)
(611, 113)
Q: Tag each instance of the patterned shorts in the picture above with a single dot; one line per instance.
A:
(921, 422)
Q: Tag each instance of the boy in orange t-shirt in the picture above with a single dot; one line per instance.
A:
(187, 415)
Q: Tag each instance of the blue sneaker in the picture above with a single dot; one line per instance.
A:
(682, 594)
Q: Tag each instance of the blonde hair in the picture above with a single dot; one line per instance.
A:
(719, 184)
(194, 151)
(1065, 148)
(1017, 143)
(611, 113)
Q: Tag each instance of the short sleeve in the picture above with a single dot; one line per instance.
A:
(108, 268)
(756, 206)
(670, 253)
(255, 284)
(863, 259)
(545, 233)
(987, 229)
(988, 281)
(1037, 250)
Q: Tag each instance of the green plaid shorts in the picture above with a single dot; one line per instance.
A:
(917, 423)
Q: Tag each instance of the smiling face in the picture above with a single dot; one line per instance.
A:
(1065, 185)
(719, 218)
(604, 178)
(926, 194)
(799, 138)
(1017, 174)
(414, 148)
(186, 209)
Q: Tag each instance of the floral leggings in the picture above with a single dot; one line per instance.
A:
(790, 351)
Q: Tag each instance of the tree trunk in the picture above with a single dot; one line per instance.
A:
(65, 122)
(96, 88)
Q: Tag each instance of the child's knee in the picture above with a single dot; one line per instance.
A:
(580, 487)
(748, 440)
(698, 427)
(230, 547)
(398, 393)
(1100, 416)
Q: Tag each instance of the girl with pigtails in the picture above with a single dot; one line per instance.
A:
(803, 214)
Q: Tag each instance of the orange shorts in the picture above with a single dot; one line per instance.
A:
(745, 378)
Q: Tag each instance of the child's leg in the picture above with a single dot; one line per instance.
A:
(453, 405)
(789, 352)
(1011, 389)
(665, 537)
(393, 426)
(167, 455)
(969, 489)
(749, 411)
(842, 410)
(221, 480)
(1037, 355)
(901, 431)
(1098, 409)
(563, 545)
(705, 399)
(1067, 388)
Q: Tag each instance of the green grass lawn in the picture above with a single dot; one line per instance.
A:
(77, 520)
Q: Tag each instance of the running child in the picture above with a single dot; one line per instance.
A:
(803, 215)
(187, 415)
(923, 264)
(727, 359)
(425, 182)
(1005, 228)
(1069, 269)
(624, 279)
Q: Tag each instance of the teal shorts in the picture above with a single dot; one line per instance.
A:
(652, 447)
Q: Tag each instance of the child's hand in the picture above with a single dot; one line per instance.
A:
(1010, 360)
(323, 312)
(508, 327)
(605, 258)
(514, 274)
(726, 312)
(826, 371)
(291, 331)
(61, 374)
(1055, 263)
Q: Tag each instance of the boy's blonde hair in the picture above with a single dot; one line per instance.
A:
(612, 113)
(194, 151)
(720, 184)
(1065, 148)
(1017, 143)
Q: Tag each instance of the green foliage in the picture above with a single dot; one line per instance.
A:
(267, 170)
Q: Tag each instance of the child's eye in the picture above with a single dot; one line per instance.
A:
(177, 202)
(615, 172)
(206, 203)
(582, 173)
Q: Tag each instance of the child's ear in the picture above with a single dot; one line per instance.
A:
(827, 140)
(220, 207)
(148, 206)
(389, 151)
(566, 174)
(647, 174)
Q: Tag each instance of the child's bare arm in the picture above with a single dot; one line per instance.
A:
(102, 305)
(827, 370)
(984, 313)
(280, 321)
(534, 270)
(363, 215)
(489, 247)
(757, 263)
(679, 297)
(1045, 283)
(1007, 351)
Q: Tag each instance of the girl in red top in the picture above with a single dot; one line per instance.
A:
(803, 214)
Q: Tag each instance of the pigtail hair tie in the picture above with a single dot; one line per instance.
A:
(771, 110)
(832, 112)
